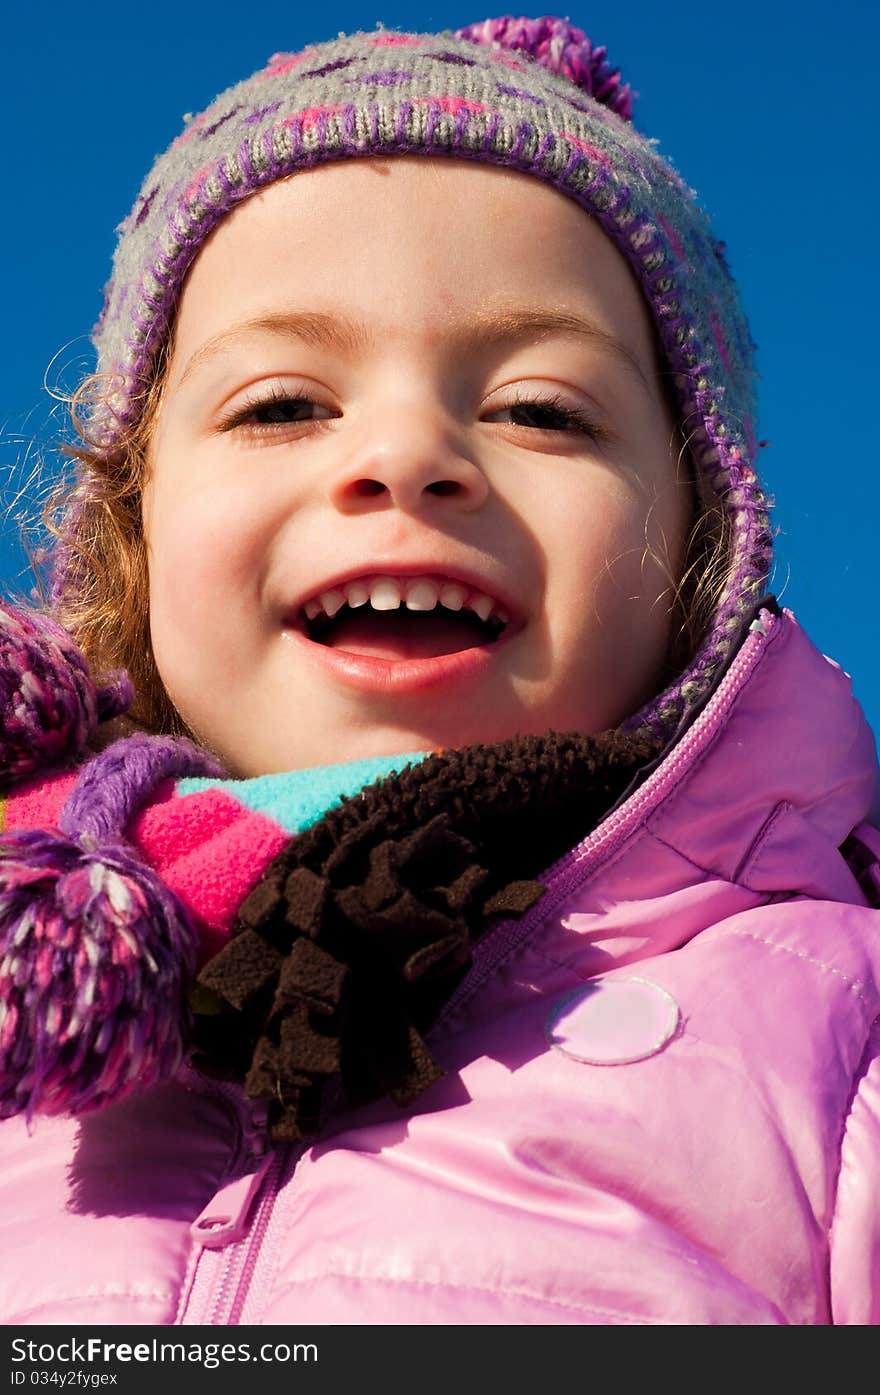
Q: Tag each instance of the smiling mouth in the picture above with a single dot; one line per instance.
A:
(403, 634)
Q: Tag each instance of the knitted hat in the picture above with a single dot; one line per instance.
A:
(532, 95)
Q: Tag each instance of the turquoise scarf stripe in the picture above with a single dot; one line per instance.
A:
(296, 799)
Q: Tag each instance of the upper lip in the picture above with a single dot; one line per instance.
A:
(486, 585)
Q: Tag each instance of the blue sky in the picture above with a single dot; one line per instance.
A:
(765, 108)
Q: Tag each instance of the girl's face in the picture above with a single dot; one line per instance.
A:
(433, 372)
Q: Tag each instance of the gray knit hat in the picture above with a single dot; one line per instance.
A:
(529, 94)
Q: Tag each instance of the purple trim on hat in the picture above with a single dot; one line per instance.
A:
(547, 145)
(246, 161)
(576, 161)
(518, 92)
(331, 67)
(267, 143)
(141, 324)
(205, 131)
(255, 117)
(171, 199)
(453, 58)
(146, 204)
(490, 134)
(296, 139)
(433, 118)
(381, 79)
(524, 132)
(349, 128)
(403, 115)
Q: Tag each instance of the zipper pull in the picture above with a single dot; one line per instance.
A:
(224, 1219)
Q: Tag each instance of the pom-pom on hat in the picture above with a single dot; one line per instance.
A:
(533, 95)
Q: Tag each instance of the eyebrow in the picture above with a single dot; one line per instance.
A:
(349, 337)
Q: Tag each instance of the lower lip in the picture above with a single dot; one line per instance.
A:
(393, 677)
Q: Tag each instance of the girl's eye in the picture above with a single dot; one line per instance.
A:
(279, 413)
(279, 409)
(552, 414)
(276, 409)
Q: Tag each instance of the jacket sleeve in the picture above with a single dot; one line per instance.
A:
(855, 1228)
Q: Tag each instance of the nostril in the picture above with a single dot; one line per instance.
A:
(368, 489)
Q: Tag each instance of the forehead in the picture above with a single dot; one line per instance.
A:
(411, 247)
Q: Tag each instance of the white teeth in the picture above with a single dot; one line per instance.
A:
(482, 606)
(452, 595)
(421, 595)
(358, 593)
(385, 593)
(331, 601)
(418, 593)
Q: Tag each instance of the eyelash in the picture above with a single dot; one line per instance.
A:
(573, 416)
(241, 417)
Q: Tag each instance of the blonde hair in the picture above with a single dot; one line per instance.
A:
(97, 520)
(104, 601)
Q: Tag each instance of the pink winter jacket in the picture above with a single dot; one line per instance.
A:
(661, 1101)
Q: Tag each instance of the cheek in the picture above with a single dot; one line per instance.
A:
(207, 537)
(618, 560)
(203, 572)
(598, 534)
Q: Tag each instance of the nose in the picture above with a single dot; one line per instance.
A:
(411, 460)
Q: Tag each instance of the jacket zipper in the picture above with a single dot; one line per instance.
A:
(222, 1233)
(231, 1230)
(222, 1271)
(572, 869)
(230, 1233)
(253, 1249)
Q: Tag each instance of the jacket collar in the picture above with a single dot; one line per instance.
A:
(777, 770)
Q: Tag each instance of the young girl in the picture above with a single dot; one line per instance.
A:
(462, 911)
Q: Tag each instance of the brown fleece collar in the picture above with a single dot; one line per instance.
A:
(347, 949)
